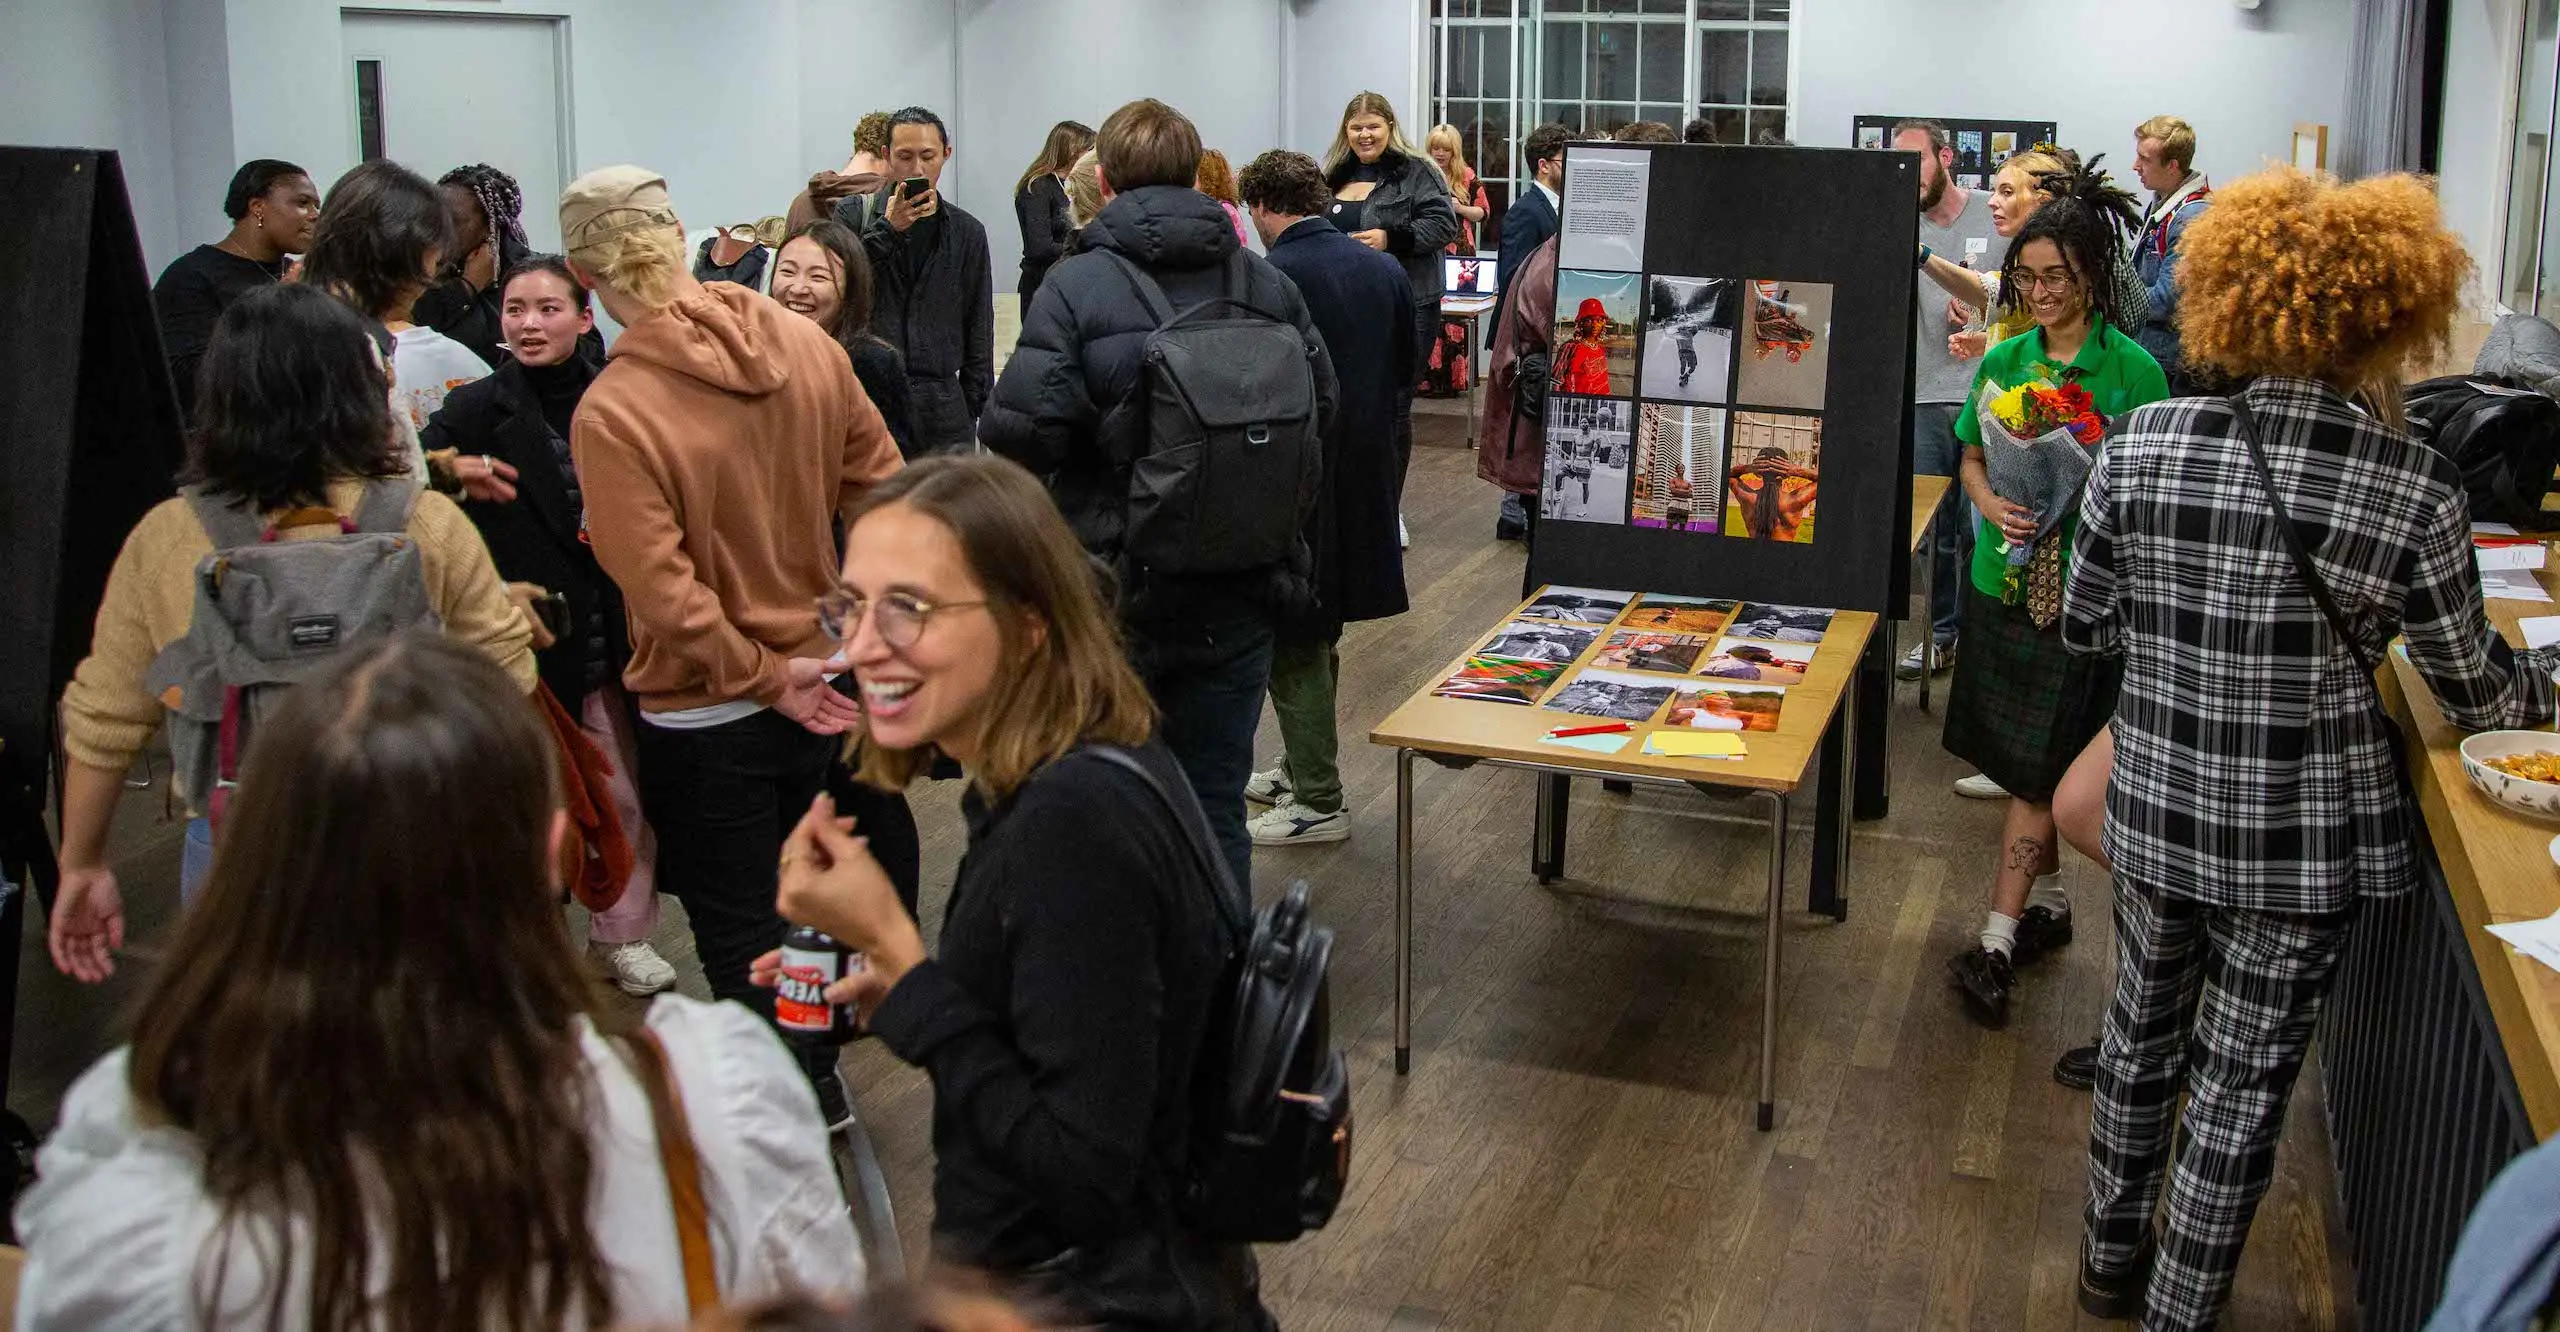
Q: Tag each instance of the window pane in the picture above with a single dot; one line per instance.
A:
(1612, 48)
(1773, 122)
(1774, 10)
(1663, 54)
(1562, 57)
(1666, 112)
(1466, 62)
(1604, 122)
(1768, 68)
(1724, 9)
(1724, 67)
(1729, 126)
(1497, 62)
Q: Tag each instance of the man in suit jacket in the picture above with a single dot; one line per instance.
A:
(1530, 221)
(1362, 307)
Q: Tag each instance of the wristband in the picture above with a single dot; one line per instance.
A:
(1925, 252)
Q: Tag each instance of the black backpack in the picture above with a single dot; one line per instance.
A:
(2506, 440)
(1270, 1096)
(1233, 456)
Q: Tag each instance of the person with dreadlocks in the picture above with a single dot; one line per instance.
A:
(2023, 183)
(2022, 707)
(487, 209)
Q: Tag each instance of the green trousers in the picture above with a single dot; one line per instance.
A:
(1304, 672)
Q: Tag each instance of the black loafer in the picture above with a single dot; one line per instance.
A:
(1985, 979)
(2116, 1297)
(2077, 1068)
(2040, 931)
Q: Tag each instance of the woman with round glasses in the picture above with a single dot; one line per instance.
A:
(1082, 942)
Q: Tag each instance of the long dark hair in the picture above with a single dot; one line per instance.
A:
(1066, 142)
(380, 227)
(853, 269)
(291, 396)
(369, 1024)
(2087, 217)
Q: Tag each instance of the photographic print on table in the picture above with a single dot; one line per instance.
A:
(1580, 605)
(1642, 651)
(1689, 327)
(1759, 663)
(1681, 615)
(1786, 348)
(1774, 476)
(1726, 707)
(1781, 624)
(1595, 334)
(1588, 444)
(1612, 694)
(1500, 680)
(1678, 480)
(1553, 641)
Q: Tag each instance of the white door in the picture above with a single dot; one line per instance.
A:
(438, 91)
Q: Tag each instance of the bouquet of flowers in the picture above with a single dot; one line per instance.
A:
(2038, 442)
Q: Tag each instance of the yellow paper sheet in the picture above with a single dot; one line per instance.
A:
(1695, 744)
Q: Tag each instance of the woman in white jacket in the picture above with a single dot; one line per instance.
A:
(373, 1087)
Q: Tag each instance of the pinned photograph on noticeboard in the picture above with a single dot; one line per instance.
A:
(1678, 480)
(1588, 445)
(1612, 694)
(1781, 624)
(1604, 201)
(1727, 707)
(1594, 351)
(1786, 350)
(1539, 640)
(1759, 663)
(1681, 615)
(1579, 605)
(1500, 680)
(1773, 476)
(2003, 144)
(1969, 151)
(1689, 326)
(1641, 651)
(1871, 136)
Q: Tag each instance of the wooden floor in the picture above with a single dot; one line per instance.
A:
(1574, 1147)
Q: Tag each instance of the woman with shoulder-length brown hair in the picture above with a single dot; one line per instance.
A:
(1040, 202)
(1082, 943)
(373, 1084)
(1217, 179)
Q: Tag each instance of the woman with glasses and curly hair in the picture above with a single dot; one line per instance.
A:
(2248, 559)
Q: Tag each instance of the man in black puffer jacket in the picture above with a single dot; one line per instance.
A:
(1072, 407)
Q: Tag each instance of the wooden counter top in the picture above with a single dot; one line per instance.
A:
(2498, 865)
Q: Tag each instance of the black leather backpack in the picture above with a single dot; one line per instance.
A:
(2505, 438)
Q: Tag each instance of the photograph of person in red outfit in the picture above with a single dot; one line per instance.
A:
(1595, 334)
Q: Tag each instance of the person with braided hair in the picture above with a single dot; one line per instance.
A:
(2024, 183)
(2022, 707)
(487, 209)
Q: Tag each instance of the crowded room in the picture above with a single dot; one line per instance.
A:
(1332, 665)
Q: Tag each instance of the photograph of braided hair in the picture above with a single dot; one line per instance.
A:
(2089, 218)
(501, 202)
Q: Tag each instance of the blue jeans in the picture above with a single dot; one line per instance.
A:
(195, 860)
(1208, 681)
(1948, 547)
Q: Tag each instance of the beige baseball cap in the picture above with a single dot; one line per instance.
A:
(611, 201)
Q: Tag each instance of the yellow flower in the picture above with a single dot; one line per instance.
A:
(2010, 407)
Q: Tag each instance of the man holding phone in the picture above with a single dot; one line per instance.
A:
(937, 295)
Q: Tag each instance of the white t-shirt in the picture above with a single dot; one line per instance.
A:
(425, 366)
(115, 1229)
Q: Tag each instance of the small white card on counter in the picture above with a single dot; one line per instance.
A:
(2536, 939)
(2511, 585)
(2494, 558)
(2539, 630)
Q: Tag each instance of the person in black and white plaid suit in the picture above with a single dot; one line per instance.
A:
(2254, 798)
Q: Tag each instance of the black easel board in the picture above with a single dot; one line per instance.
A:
(1980, 145)
(1716, 461)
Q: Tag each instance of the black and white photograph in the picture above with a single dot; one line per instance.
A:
(1589, 446)
(1969, 154)
(1786, 351)
(1614, 694)
(1552, 642)
(1781, 624)
(1580, 605)
(1689, 326)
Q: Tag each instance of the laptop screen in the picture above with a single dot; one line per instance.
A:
(1469, 275)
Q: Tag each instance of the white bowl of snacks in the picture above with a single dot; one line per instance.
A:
(2518, 769)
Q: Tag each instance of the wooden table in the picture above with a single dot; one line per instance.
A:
(1927, 492)
(1460, 733)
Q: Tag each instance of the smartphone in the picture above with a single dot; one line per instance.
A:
(913, 186)
(552, 608)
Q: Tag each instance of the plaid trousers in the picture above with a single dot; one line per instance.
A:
(2218, 1003)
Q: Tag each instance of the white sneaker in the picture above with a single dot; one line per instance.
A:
(636, 967)
(1290, 824)
(1269, 786)
(1404, 538)
(1979, 787)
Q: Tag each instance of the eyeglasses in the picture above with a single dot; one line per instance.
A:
(899, 617)
(2059, 284)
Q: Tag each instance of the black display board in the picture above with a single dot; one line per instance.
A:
(1981, 145)
(1730, 410)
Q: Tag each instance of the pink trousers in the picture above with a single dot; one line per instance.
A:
(606, 720)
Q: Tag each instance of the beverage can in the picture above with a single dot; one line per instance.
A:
(812, 961)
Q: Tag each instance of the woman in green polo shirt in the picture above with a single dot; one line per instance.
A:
(2022, 706)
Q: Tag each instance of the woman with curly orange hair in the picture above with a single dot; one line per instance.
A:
(2249, 558)
(1218, 180)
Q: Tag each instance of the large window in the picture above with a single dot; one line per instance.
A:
(2532, 277)
(1501, 66)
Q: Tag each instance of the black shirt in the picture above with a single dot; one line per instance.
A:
(190, 297)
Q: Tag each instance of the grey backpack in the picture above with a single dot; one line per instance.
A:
(1233, 453)
(268, 612)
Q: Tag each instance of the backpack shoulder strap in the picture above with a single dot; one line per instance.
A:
(1150, 293)
(2247, 421)
(387, 503)
(1234, 915)
(228, 522)
(682, 1163)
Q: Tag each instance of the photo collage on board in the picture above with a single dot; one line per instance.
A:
(1692, 662)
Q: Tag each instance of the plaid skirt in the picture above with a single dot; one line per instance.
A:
(2022, 706)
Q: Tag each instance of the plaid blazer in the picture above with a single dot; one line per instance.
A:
(2253, 768)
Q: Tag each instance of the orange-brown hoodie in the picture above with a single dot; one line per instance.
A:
(723, 436)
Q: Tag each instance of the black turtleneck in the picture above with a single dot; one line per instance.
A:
(558, 388)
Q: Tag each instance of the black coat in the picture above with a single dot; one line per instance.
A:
(1526, 225)
(875, 363)
(1072, 405)
(1047, 221)
(536, 538)
(1412, 205)
(477, 320)
(941, 319)
(1362, 306)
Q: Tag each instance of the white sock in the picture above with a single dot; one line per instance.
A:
(2048, 894)
(2000, 934)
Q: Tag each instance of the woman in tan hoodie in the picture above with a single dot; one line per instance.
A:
(716, 451)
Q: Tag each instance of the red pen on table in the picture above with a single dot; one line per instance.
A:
(1605, 728)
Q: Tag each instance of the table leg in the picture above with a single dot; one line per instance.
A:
(1824, 891)
(1929, 601)
(1404, 912)
(1547, 832)
(1873, 694)
(1851, 715)
(1769, 960)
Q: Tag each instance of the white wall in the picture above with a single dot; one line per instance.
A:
(95, 74)
(858, 56)
(2242, 78)
(1335, 48)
